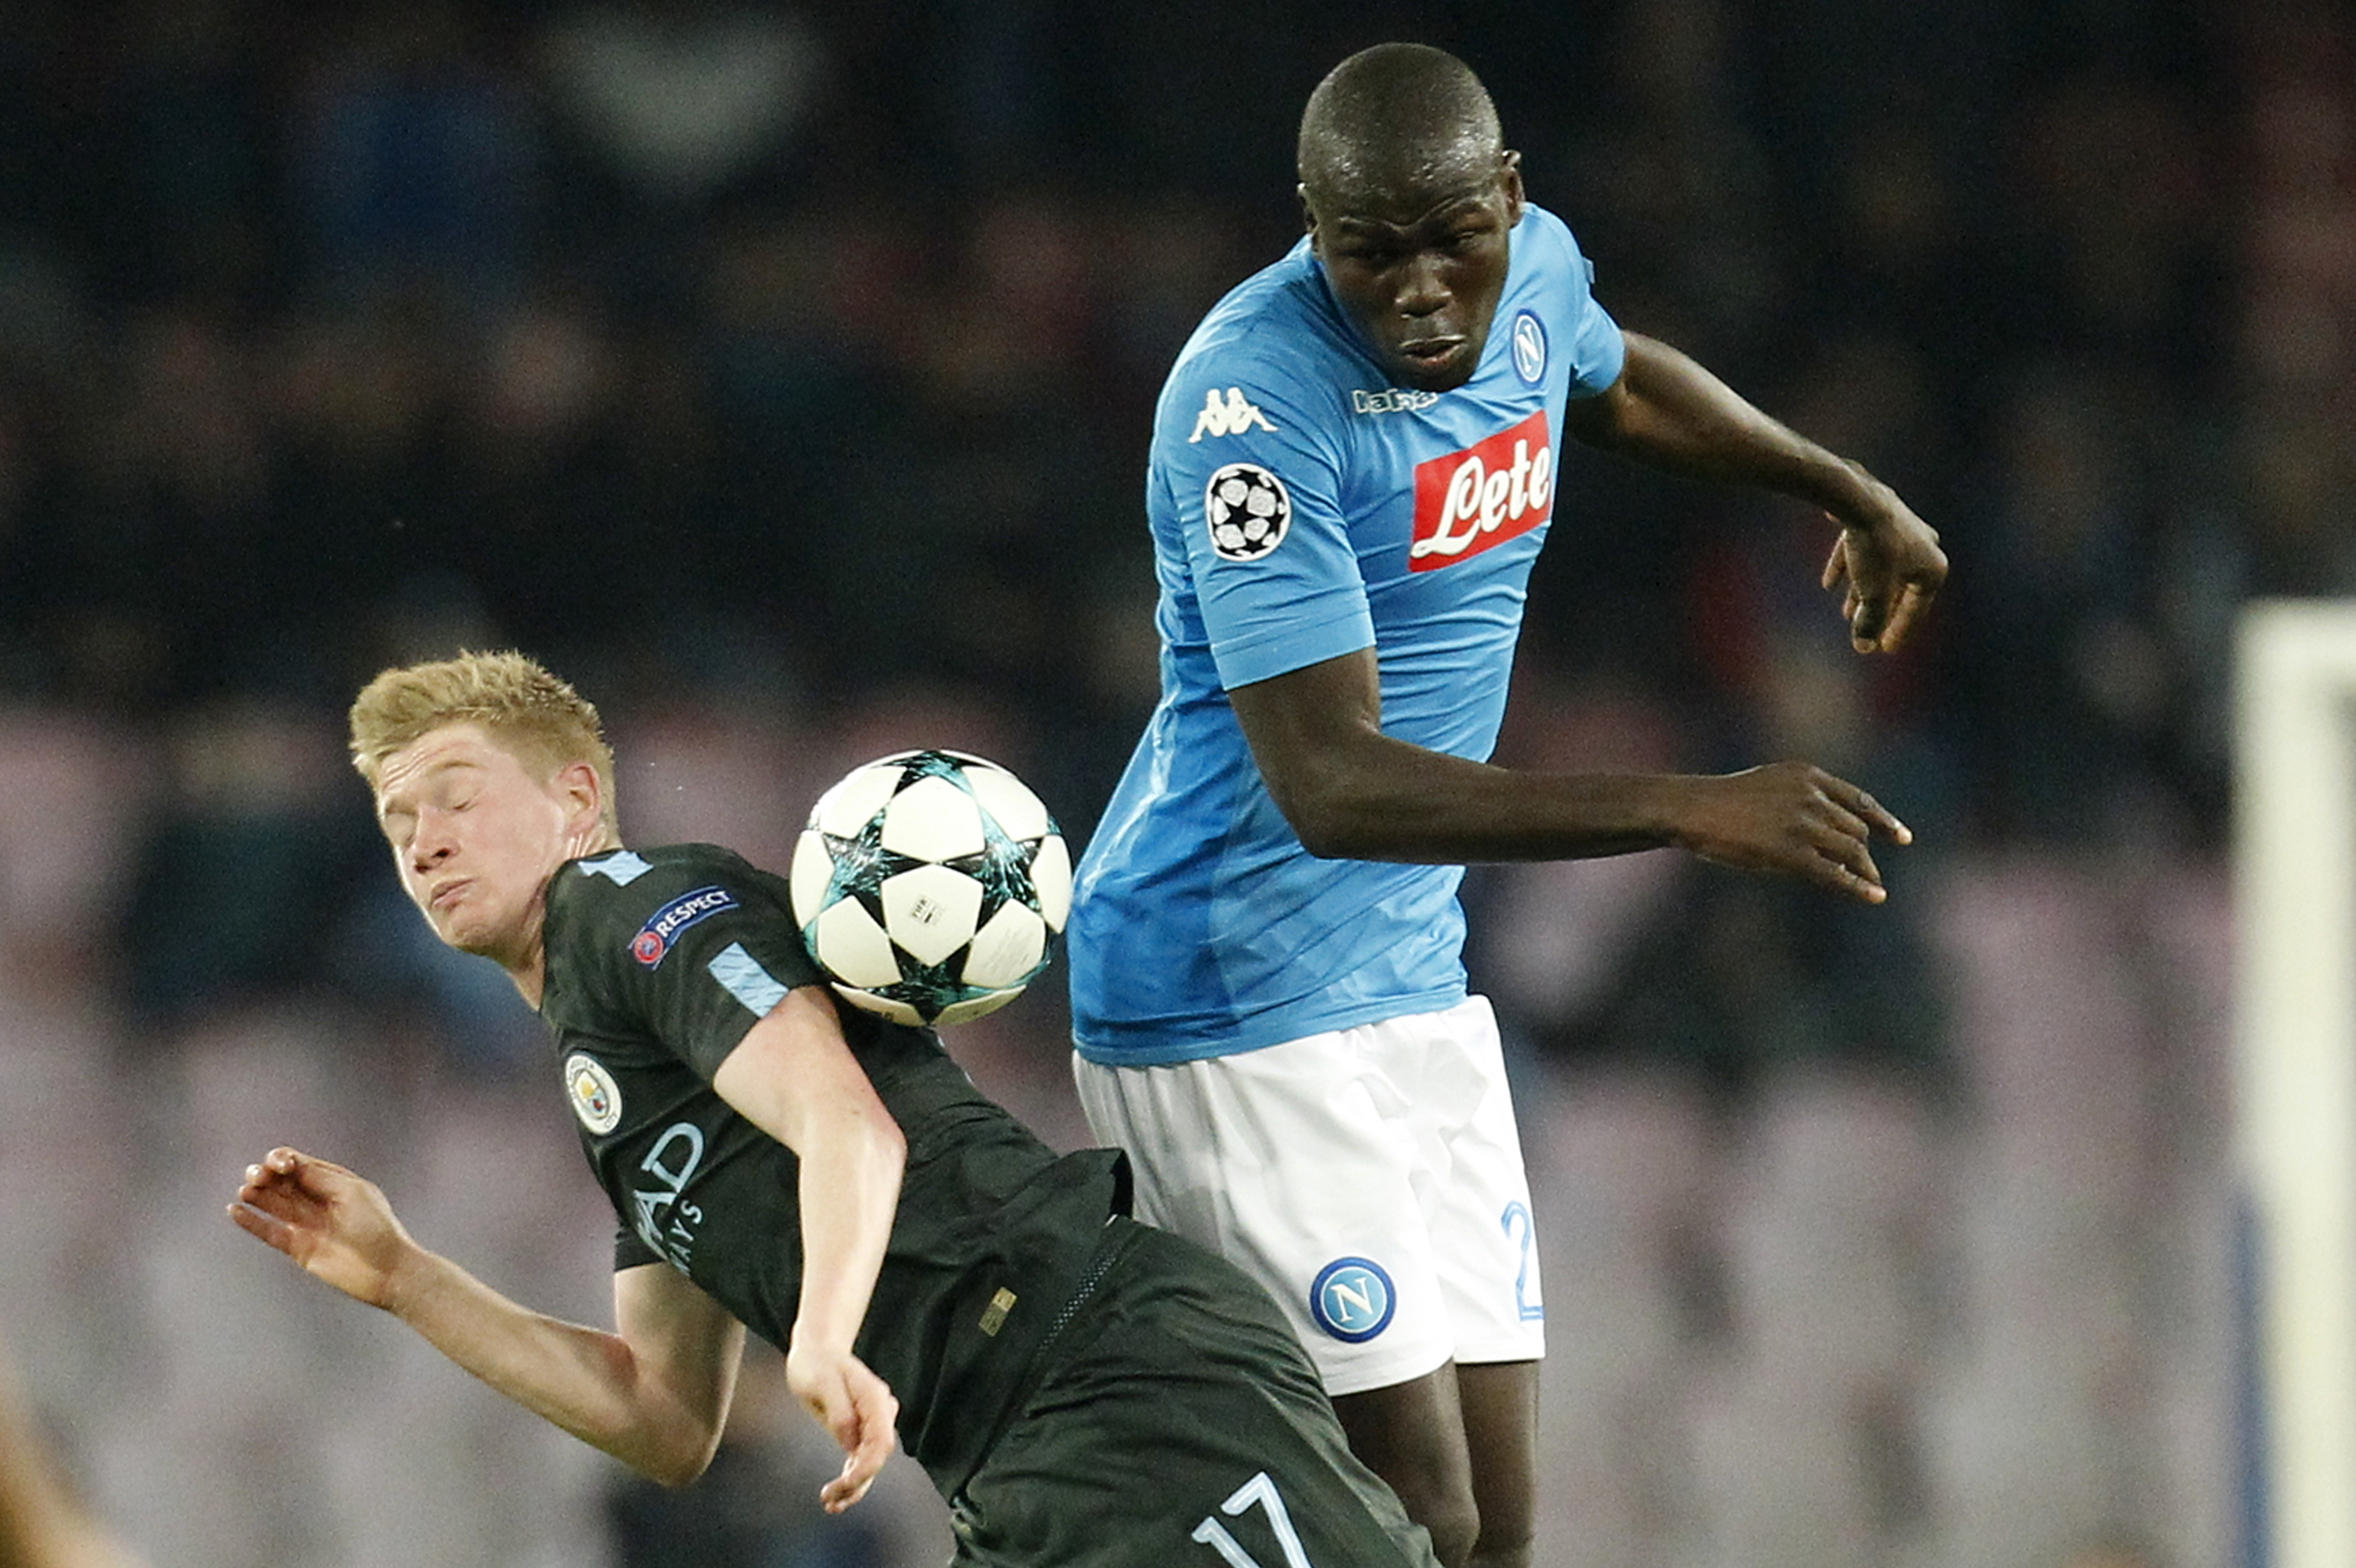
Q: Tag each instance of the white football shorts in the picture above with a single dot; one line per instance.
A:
(1370, 1178)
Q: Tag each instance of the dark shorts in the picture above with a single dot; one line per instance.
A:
(1177, 1424)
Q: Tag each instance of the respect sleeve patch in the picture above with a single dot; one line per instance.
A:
(654, 939)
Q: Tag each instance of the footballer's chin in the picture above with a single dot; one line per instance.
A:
(460, 928)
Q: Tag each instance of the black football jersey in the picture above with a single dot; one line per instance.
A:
(659, 961)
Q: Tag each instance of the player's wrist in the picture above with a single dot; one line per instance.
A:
(411, 1283)
(1614, 813)
(815, 1348)
(1860, 503)
(1671, 808)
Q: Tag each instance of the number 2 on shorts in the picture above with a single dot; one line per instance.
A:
(1261, 1490)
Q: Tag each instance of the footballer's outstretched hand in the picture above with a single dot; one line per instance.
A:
(1795, 818)
(858, 1409)
(337, 1225)
(1890, 567)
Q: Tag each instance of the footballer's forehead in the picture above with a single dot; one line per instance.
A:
(1433, 195)
(462, 747)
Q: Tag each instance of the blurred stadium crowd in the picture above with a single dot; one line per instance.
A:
(782, 374)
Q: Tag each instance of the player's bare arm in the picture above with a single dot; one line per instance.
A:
(654, 1393)
(1350, 790)
(793, 1076)
(1668, 412)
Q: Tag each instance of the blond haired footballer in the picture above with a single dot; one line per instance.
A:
(1081, 1388)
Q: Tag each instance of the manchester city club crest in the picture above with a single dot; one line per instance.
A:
(596, 1098)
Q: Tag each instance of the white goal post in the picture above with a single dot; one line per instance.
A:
(2294, 901)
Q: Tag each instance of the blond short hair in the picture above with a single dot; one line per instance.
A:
(538, 718)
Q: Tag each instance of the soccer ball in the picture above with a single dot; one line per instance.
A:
(928, 885)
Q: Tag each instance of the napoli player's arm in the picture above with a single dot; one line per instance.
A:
(653, 1394)
(1668, 412)
(1350, 790)
(793, 1075)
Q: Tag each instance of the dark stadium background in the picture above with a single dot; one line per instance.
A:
(782, 375)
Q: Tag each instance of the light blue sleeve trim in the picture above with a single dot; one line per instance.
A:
(622, 866)
(746, 980)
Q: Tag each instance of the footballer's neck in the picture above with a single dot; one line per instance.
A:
(528, 964)
(527, 961)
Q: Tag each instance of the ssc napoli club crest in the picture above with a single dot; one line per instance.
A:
(596, 1098)
(1249, 510)
(1529, 347)
(1353, 1299)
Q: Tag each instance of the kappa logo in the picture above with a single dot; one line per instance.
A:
(654, 939)
(1353, 1299)
(1391, 400)
(596, 1098)
(1232, 415)
(1490, 492)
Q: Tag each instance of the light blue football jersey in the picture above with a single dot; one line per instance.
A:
(1303, 508)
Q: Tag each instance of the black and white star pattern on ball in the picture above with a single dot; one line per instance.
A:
(1004, 867)
(1247, 509)
(861, 866)
(917, 886)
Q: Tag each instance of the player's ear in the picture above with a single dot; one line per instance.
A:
(1511, 172)
(1308, 213)
(582, 792)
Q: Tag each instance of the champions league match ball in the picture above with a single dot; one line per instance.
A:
(928, 885)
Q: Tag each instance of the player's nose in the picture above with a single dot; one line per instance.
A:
(1423, 288)
(431, 844)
